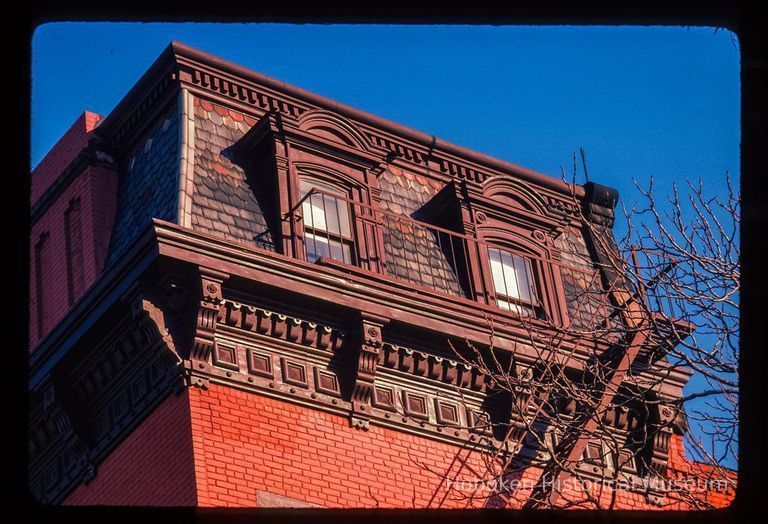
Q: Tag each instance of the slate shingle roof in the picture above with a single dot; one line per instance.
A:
(229, 203)
(149, 184)
(412, 252)
(224, 202)
(581, 285)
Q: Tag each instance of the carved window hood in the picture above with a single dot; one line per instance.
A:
(514, 226)
(319, 131)
(500, 199)
(318, 149)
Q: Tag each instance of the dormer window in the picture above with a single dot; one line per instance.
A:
(513, 281)
(489, 241)
(509, 255)
(327, 222)
(319, 174)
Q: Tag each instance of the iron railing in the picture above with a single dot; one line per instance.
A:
(398, 245)
(406, 248)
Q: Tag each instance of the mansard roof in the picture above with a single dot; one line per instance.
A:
(198, 70)
(218, 85)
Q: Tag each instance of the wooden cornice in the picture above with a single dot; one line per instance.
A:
(372, 293)
(348, 287)
(273, 126)
(182, 66)
(341, 284)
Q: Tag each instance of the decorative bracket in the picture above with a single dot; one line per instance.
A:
(208, 313)
(145, 303)
(660, 429)
(365, 364)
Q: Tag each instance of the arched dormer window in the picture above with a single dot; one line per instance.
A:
(517, 273)
(321, 174)
(511, 258)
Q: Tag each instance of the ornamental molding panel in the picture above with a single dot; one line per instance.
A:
(281, 326)
(214, 81)
(330, 126)
(427, 365)
(209, 312)
(517, 201)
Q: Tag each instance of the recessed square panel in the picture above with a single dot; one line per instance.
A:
(384, 398)
(260, 364)
(594, 453)
(225, 356)
(627, 461)
(326, 382)
(294, 373)
(478, 422)
(447, 412)
(415, 405)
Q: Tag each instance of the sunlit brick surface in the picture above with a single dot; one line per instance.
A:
(245, 443)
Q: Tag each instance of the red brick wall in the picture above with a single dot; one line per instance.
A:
(61, 154)
(95, 187)
(153, 466)
(680, 466)
(244, 443)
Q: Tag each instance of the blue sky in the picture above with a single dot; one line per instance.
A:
(642, 101)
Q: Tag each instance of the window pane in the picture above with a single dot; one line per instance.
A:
(517, 308)
(316, 247)
(329, 206)
(512, 279)
(510, 276)
(314, 216)
(340, 251)
(498, 271)
(523, 272)
(319, 246)
(342, 214)
(324, 212)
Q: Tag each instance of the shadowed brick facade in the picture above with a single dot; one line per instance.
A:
(186, 350)
(73, 209)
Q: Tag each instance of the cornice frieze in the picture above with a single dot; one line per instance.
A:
(371, 292)
(281, 326)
